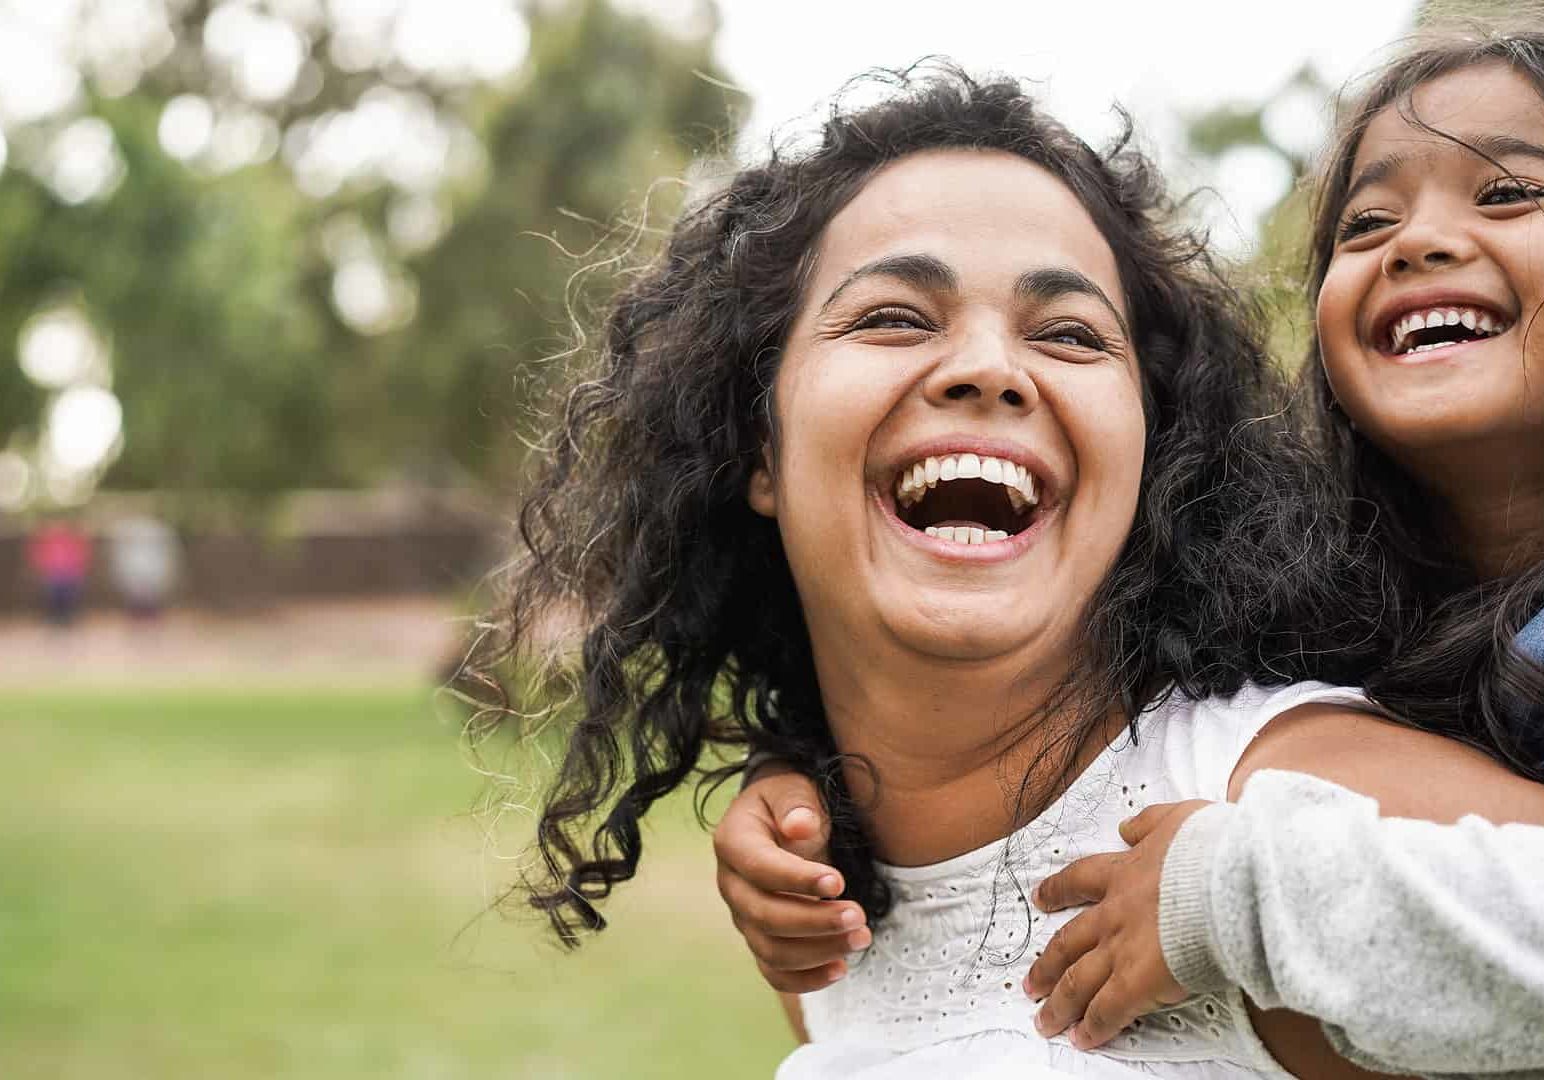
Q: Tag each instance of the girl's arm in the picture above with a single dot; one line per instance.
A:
(1420, 947)
(1410, 774)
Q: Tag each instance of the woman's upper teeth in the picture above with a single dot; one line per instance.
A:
(916, 479)
(1472, 318)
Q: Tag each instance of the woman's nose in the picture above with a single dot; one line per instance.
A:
(983, 372)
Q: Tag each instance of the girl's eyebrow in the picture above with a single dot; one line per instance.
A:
(1488, 146)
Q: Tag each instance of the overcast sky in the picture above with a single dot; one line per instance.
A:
(1159, 58)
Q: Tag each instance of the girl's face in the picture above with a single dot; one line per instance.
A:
(960, 426)
(1438, 270)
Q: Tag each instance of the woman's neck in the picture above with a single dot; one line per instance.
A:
(939, 757)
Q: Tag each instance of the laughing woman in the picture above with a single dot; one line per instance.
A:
(933, 463)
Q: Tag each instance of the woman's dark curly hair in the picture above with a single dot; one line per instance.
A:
(692, 631)
(1449, 663)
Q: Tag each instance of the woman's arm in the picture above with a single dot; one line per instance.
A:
(1411, 774)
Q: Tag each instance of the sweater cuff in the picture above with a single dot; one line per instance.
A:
(1184, 909)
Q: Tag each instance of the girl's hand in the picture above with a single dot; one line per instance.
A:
(1105, 968)
(773, 873)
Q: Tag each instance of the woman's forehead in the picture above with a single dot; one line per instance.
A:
(985, 213)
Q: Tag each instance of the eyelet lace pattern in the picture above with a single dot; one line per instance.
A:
(950, 959)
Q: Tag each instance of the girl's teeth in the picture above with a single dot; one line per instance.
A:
(992, 471)
(969, 467)
(949, 468)
(930, 471)
(1470, 318)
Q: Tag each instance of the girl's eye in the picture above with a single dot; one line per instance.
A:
(1360, 224)
(892, 319)
(1507, 191)
(1073, 334)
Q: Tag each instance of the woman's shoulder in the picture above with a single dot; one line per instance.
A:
(1396, 764)
(1197, 742)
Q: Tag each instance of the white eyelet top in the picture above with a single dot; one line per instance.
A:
(940, 990)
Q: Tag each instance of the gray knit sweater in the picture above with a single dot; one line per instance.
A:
(1419, 946)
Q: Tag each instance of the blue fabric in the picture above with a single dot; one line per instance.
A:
(1530, 639)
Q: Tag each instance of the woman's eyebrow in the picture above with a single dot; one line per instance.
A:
(926, 272)
(1050, 282)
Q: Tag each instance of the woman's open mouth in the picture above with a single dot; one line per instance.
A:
(967, 498)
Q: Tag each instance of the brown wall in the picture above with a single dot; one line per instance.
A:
(332, 547)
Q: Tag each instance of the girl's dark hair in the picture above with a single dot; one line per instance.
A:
(1450, 666)
(639, 529)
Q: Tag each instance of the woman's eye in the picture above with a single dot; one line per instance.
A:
(1073, 334)
(1360, 224)
(1507, 191)
(892, 319)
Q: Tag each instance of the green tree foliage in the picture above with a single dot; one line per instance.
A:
(216, 292)
(604, 125)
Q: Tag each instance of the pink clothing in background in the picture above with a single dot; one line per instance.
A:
(59, 552)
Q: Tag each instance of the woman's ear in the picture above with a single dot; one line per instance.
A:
(761, 492)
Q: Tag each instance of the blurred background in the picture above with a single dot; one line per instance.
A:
(281, 283)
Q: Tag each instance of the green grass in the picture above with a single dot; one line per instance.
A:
(265, 884)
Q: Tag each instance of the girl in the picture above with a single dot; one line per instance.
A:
(1429, 207)
(924, 461)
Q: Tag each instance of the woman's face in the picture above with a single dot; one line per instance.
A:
(1438, 270)
(960, 426)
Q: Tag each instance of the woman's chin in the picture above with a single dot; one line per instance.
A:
(956, 632)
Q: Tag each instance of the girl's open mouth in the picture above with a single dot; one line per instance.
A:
(967, 499)
(1425, 330)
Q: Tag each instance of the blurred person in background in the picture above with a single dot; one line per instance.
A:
(144, 559)
(59, 555)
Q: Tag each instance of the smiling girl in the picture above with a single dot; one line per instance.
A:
(1428, 273)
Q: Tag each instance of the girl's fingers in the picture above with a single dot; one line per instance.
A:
(1066, 947)
(795, 805)
(1082, 882)
(803, 954)
(803, 982)
(784, 916)
(1074, 990)
(1107, 1014)
(747, 845)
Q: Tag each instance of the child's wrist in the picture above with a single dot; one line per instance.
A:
(1185, 927)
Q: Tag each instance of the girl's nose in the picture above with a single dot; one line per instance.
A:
(1424, 245)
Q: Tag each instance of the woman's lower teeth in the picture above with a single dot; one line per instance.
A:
(966, 534)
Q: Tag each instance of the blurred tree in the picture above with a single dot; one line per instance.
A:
(604, 111)
(1287, 126)
(376, 298)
